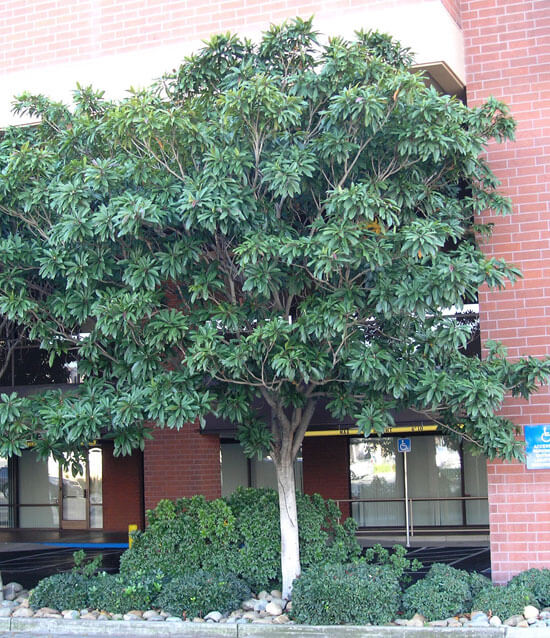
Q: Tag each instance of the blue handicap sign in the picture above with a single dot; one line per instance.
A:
(403, 445)
(537, 446)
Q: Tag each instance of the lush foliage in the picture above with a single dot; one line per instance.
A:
(283, 220)
(240, 534)
(61, 591)
(395, 559)
(273, 227)
(200, 592)
(442, 593)
(538, 581)
(504, 600)
(120, 594)
(339, 594)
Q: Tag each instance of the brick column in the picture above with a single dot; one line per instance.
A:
(122, 490)
(181, 463)
(326, 468)
(507, 46)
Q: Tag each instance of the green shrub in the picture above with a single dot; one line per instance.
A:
(396, 560)
(200, 592)
(339, 594)
(442, 593)
(240, 534)
(478, 583)
(61, 591)
(504, 600)
(119, 594)
(538, 581)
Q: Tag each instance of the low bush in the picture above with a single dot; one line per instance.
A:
(396, 560)
(340, 594)
(504, 600)
(61, 591)
(119, 594)
(478, 583)
(240, 534)
(200, 592)
(442, 593)
(538, 581)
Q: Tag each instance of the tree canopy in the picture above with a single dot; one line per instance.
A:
(283, 220)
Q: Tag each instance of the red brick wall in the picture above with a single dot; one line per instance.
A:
(326, 468)
(508, 55)
(181, 463)
(122, 490)
(453, 7)
(35, 32)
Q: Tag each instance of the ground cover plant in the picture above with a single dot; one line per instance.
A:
(270, 228)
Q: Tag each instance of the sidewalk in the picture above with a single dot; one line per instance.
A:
(122, 629)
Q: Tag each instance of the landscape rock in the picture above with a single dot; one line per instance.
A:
(5, 612)
(23, 612)
(131, 617)
(248, 605)
(530, 612)
(173, 619)
(275, 593)
(513, 620)
(89, 615)
(417, 620)
(281, 620)
(197, 619)
(215, 616)
(263, 595)
(70, 614)
(495, 621)
(438, 623)
(274, 609)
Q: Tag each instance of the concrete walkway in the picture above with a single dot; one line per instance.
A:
(30, 627)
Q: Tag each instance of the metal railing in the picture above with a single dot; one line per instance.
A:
(408, 504)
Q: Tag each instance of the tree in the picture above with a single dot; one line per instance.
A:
(284, 221)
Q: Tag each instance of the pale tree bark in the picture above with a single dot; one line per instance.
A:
(290, 544)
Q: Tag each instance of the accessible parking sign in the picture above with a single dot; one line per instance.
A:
(537, 446)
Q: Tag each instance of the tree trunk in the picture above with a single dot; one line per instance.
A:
(290, 546)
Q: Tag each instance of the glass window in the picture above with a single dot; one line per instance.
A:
(376, 474)
(38, 491)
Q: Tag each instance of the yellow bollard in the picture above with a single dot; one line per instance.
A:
(131, 528)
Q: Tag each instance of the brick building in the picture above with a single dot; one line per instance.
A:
(471, 48)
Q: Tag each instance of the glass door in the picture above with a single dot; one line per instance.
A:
(75, 490)
(81, 495)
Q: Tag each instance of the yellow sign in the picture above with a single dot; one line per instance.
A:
(397, 429)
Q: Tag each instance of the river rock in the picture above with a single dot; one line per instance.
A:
(11, 590)
(513, 620)
(198, 619)
(401, 622)
(215, 616)
(157, 618)
(103, 615)
(263, 595)
(417, 620)
(260, 605)
(70, 614)
(274, 609)
(89, 615)
(150, 612)
(523, 623)
(131, 617)
(495, 621)
(438, 623)
(530, 612)
(281, 620)
(23, 612)
(248, 605)
(173, 619)
(275, 593)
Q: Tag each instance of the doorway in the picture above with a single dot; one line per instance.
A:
(80, 495)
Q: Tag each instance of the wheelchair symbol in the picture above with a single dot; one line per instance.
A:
(404, 445)
(545, 436)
